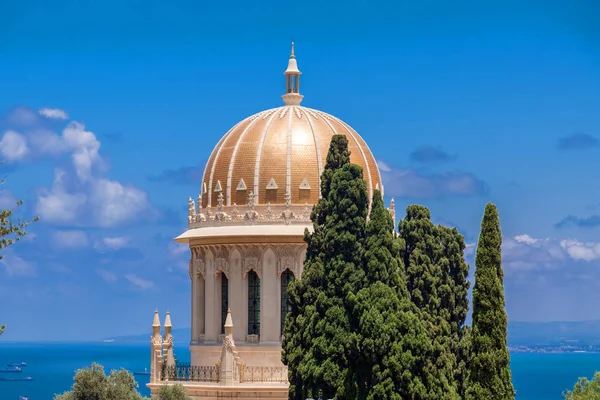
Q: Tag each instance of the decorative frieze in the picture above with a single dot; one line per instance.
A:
(287, 256)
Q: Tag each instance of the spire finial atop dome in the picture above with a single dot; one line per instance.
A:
(292, 74)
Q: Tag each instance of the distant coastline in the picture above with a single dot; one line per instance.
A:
(523, 337)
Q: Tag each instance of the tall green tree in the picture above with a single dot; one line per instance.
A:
(299, 327)
(11, 230)
(424, 248)
(320, 337)
(585, 389)
(453, 295)
(336, 345)
(393, 340)
(489, 371)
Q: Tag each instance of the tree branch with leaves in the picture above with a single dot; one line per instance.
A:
(11, 230)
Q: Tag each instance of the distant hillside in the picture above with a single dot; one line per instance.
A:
(519, 334)
(181, 335)
(554, 333)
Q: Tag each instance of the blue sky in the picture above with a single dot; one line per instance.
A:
(110, 109)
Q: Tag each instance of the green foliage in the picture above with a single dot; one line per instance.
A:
(453, 296)
(425, 248)
(11, 231)
(303, 293)
(319, 338)
(172, 392)
(336, 341)
(393, 339)
(585, 389)
(489, 372)
(93, 384)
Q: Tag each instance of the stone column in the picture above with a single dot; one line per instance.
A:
(194, 283)
(244, 308)
(278, 318)
(200, 304)
(269, 304)
(211, 330)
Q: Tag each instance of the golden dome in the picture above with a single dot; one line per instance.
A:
(280, 151)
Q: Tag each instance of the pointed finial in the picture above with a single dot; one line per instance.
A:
(156, 321)
(168, 319)
(292, 94)
(228, 320)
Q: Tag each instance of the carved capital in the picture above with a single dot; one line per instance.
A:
(252, 263)
(287, 262)
(221, 265)
(200, 268)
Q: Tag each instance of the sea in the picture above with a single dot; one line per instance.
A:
(536, 376)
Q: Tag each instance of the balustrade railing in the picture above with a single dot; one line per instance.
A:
(264, 374)
(190, 373)
(184, 372)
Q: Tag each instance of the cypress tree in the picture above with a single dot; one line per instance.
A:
(453, 295)
(299, 328)
(393, 341)
(428, 281)
(335, 345)
(489, 371)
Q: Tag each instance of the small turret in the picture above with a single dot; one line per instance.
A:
(168, 350)
(155, 350)
(156, 325)
(229, 363)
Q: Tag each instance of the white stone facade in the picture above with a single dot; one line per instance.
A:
(245, 235)
(208, 265)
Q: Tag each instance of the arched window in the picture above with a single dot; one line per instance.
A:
(224, 300)
(286, 278)
(253, 303)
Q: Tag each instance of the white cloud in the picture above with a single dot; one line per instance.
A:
(527, 253)
(106, 275)
(53, 113)
(115, 203)
(577, 250)
(115, 243)
(44, 141)
(17, 266)
(57, 205)
(84, 147)
(84, 198)
(139, 282)
(70, 239)
(13, 146)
